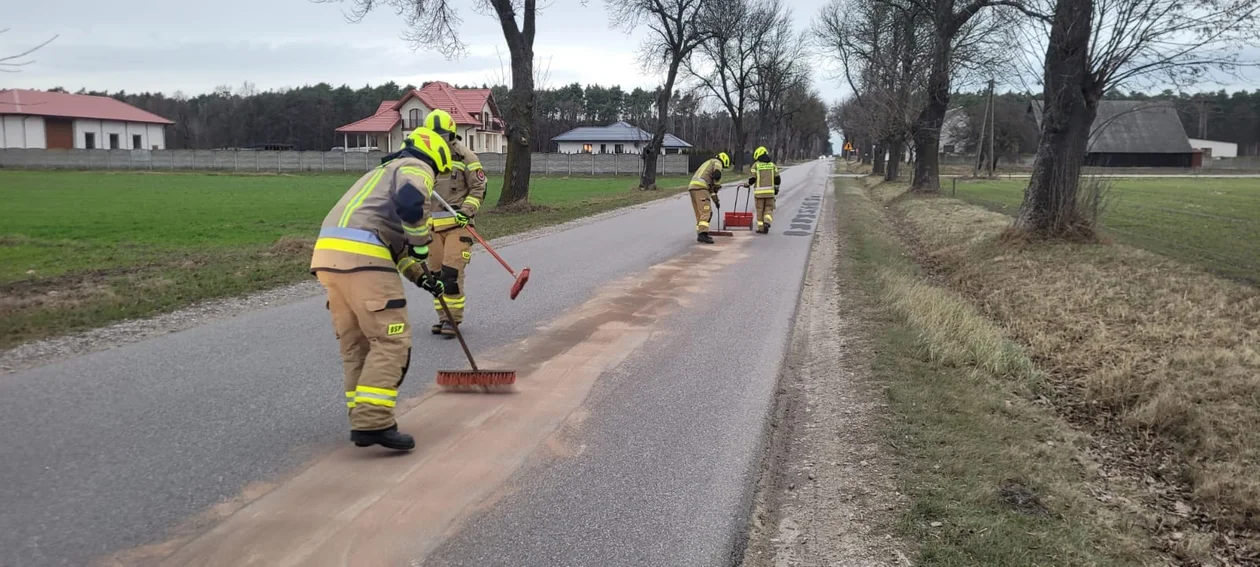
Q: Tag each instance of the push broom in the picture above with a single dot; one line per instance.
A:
(476, 376)
(521, 278)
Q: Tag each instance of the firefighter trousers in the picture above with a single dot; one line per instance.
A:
(369, 315)
(704, 213)
(449, 254)
(765, 210)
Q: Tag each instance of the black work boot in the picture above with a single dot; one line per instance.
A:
(704, 238)
(766, 230)
(436, 328)
(447, 329)
(388, 438)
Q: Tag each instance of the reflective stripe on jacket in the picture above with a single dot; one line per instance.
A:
(708, 175)
(374, 222)
(764, 174)
(463, 189)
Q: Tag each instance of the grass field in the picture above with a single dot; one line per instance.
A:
(81, 249)
(1212, 223)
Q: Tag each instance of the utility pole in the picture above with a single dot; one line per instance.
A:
(984, 127)
(992, 129)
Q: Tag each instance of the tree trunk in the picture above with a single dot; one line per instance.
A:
(878, 168)
(868, 154)
(520, 123)
(647, 181)
(1071, 104)
(897, 153)
(927, 128)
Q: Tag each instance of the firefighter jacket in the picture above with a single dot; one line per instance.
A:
(765, 179)
(463, 189)
(377, 219)
(707, 176)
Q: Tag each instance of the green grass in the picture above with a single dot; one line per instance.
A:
(82, 249)
(963, 424)
(1211, 223)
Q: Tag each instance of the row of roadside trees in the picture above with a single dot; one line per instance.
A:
(902, 59)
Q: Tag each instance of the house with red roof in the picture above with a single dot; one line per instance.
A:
(476, 116)
(63, 121)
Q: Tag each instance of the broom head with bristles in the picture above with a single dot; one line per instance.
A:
(721, 233)
(456, 378)
(520, 283)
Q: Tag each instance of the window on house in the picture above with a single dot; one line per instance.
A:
(113, 141)
(89, 140)
(136, 142)
(472, 143)
(485, 120)
(414, 118)
(949, 148)
(603, 148)
(619, 149)
(586, 148)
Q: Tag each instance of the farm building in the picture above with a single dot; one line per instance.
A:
(1131, 133)
(1214, 149)
(476, 117)
(616, 138)
(62, 121)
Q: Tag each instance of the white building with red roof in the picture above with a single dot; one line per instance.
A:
(63, 121)
(474, 110)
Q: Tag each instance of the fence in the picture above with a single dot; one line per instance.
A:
(246, 161)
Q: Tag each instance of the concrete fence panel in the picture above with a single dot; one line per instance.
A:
(311, 161)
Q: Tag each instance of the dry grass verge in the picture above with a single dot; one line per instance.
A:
(1132, 343)
(993, 475)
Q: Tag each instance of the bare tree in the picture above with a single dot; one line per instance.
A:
(1097, 45)
(727, 65)
(781, 65)
(952, 26)
(434, 24)
(881, 49)
(14, 63)
(677, 28)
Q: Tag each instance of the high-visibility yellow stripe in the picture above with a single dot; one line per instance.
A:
(458, 165)
(360, 196)
(374, 401)
(473, 201)
(374, 390)
(352, 247)
(702, 225)
(350, 399)
(474, 166)
(442, 222)
(417, 230)
(701, 184)
(769, 218)
(764, 192)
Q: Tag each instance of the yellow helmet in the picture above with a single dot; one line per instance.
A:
(725, 159)
(440, 121)
(431, 145)
(760, 151)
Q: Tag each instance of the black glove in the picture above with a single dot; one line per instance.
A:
(430, 283)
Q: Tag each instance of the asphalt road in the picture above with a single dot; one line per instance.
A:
(115, 450)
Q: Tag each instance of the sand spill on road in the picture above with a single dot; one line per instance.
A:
(370, 507)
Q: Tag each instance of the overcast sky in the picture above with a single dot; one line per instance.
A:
(168, 46)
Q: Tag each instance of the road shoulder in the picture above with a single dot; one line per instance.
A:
(826, 495)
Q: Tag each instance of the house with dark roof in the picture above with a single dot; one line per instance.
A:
(1134, 133)
(616, 138)
(476, 116)
(63, 121)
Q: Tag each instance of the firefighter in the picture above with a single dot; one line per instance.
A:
(451, 250)
(704, 188)
(377, 230)
(765, 181)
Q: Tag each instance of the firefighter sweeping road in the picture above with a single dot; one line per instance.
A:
(647, 369)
